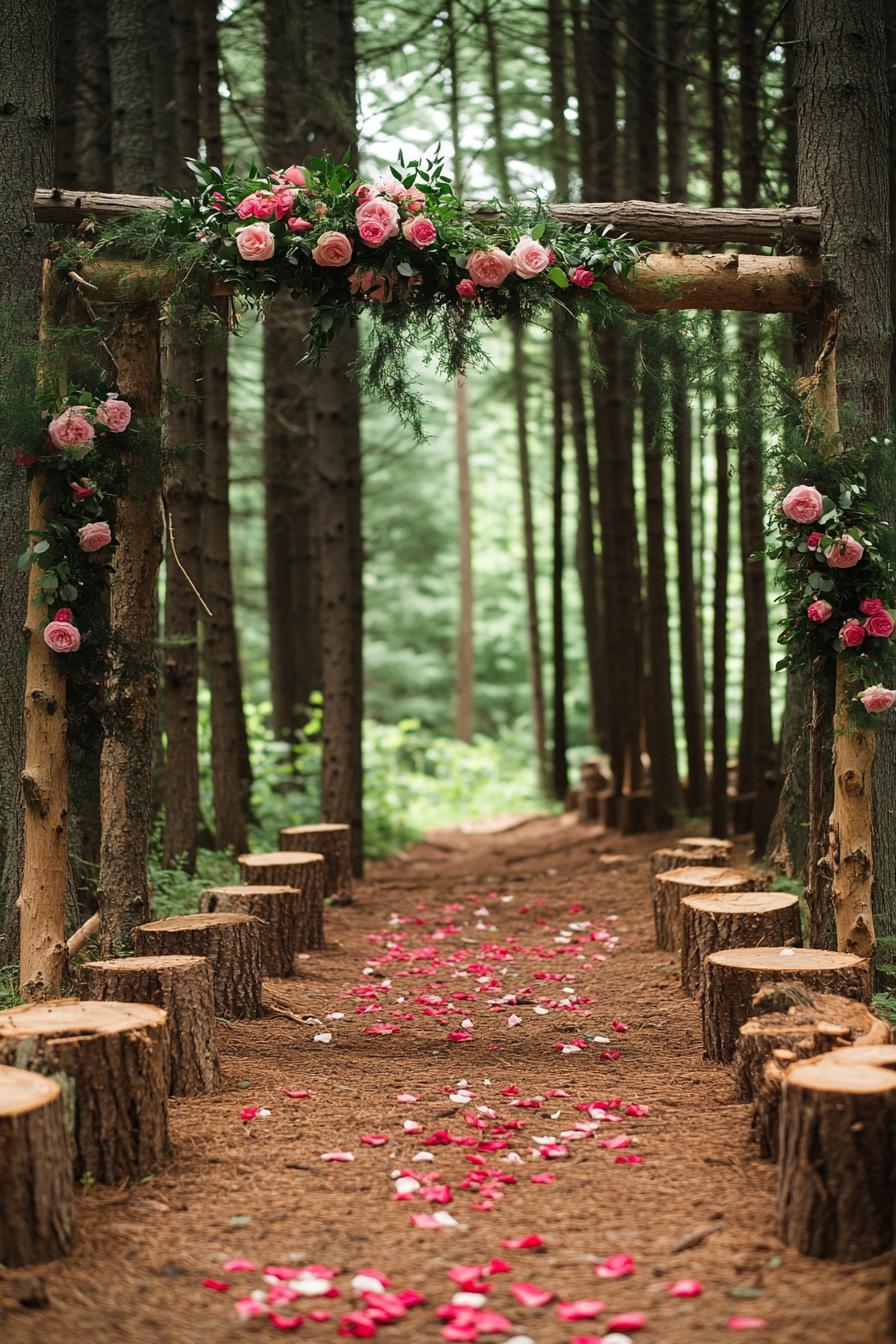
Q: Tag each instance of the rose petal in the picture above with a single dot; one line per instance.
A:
(530, 1242)
(685, 1288)
(529, 1295)
(615, 1267)
(746, 1323)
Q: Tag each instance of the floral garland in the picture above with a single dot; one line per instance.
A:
(837, 570)
(73, 550)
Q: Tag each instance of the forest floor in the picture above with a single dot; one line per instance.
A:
(556, 917)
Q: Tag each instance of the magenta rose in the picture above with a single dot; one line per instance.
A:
(419, 231)
(383, 212)
(803, 504)
(813, 539)
(255, 242)
(62, 637)
(71, 429)
(293, 175)
(851, 634)
(63, 614)
(296, 224)
(466, 289)
(870, 606)
(489, 268)
(877, 699)
(880, 624)
(373, 232)
(581, 277)
(257, 205)
(529, 258)
(114, 413)
(333, 249)
(819, 610)
(845, 552)
(94, 536)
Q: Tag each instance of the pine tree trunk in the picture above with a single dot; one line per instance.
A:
(536, 679)
(130, 86)
(465, 673)
(93, 113)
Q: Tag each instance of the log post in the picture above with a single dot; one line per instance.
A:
(35, 1170)
(232, 944)
(731, 978)
(303, 872)
(111, 1060)
(333, 841)
(669, 889)
(132, 681)
(740, 919)
(837, 1159)
(288, 920)
(183, 987)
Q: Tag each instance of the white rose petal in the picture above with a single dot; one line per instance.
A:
(325, 1037)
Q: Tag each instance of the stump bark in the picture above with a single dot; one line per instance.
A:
(712, 856)
(671, 887)
(837, 1162)
(111, 1060)
(232, 944)
(183, 987)
(35, 1170)
(741, 919)
(288, 919)
(303, 872)
(731, 978)
(333, 842)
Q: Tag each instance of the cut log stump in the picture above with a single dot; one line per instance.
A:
(303, 872)
(35, 1170)
(785, 1031)
(111, 1060)
(712, 856)
(837, 1160)
(699, 843)
(232, 944)
(183, 987)
(731, 978)
(740, 919)
(670, 888)
(288, 918)
(333, 842)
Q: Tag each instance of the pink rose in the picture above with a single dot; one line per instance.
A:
(257, 205)
(582, 277)
(877, 699)
(218, 201)
(870, 606)
(255, 242)
(64, 614)
(71, 429)
(851, 634)
(466, 289)
(489, 269)
(333, 249)
(62, 637)
(803, 504)
(284, 200)
(293, 175)
(529, 258)
(81, 492)
(94, 536)
(845, 552)
(384, 212)
(813, 539)
(419, 231)
(365, 191)
(414, 200)
(114, 413)
(373, 232)
(819, 610)
(880, 624)
(390, 186)
(296, 224)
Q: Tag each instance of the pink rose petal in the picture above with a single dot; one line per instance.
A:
(685, 1288)
(337, 1157)
(746, 1323)
(530, 1242)
(216, 1285)
(626, 1321)
(374, 1140)
(528, 1295)
(615, 1267)
(583, 1310)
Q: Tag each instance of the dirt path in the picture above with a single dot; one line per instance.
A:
(535, 914)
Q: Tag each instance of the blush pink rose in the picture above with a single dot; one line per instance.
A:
(373, 232)
(819, 610)
(390, 186)
(333, 249)
(114, 413)
(419, 231)
(466, 289)
(845, 552)
(529, 258)
(284, 200)
(813, 539)
(870, 606)
(94, 536)
(880, 624)
(293, 175)
(383, 212)
(581, 277)
(71, 429)
(851, 634)
(414, 200)
(803, 504)
(62, 637)
(489, 268)
(365, 191)
(877, 699)
(257, 205)
(296, 224)
(255, 242)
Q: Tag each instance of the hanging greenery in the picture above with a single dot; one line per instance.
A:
(837, 566)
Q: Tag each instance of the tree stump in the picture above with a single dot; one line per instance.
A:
(740, 919)
(608, 809)
(634, 811)
(697, 880)
(837, 1160)
(731, 978)
(333, 842)
(35, 1170)
(111, 1060)
(303, 872)
(288, 919)
(664, 860)
(769, 1043)
(699, 843)
(232, 944)
(183, 987)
